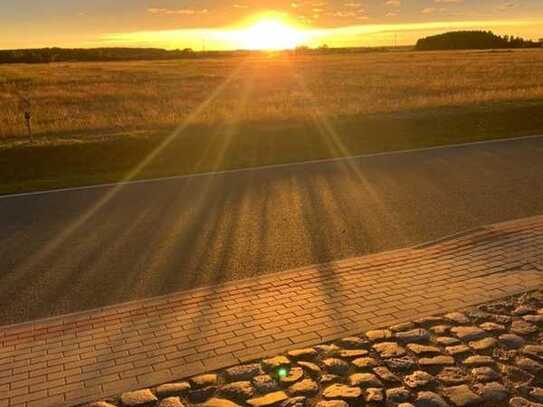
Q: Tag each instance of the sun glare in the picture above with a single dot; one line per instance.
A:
(272, 34)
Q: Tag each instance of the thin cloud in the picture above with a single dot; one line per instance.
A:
(507, 6)
(432, 10)
(183, 11)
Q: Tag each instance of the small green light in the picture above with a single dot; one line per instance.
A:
(282, 372)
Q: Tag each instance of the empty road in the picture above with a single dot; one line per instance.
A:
(68, 251)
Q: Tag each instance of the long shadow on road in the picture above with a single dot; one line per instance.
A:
(158, 238)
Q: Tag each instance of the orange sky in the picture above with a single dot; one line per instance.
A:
(221, 24)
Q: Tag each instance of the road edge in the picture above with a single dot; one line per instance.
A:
(268, 167)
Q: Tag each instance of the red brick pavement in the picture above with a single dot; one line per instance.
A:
(68, 360)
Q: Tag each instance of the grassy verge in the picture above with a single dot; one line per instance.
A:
(27, 167)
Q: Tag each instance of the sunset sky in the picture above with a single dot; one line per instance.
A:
(223, 24)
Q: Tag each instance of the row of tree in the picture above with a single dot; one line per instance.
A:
(45, 55)
(472, 40)
(447, 41)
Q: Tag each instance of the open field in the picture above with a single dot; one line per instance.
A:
(74, 98)
(95, 122)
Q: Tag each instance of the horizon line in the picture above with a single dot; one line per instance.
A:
(227, 38)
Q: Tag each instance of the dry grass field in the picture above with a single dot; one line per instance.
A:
(75, 99)
(96, 122)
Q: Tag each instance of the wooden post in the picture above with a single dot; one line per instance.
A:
(26, 107)
(28, 119)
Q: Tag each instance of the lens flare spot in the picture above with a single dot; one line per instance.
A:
(282, 372)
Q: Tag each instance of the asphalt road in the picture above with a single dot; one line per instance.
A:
(68, 251)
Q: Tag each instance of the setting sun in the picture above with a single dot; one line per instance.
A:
(272, 34)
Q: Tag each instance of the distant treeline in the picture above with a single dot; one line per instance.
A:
(48, 55)
(472, 40)
(45, 55)
(447, 41)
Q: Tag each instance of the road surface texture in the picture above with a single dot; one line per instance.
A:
(69, 251)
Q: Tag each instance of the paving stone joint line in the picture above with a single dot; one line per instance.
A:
(491, 356)
(97, 354)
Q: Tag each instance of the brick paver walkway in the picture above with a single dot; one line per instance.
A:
(72, 359)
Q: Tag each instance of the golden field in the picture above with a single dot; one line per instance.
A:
(106, 122)
(90, 99)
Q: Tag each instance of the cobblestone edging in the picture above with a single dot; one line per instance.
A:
(490, 355)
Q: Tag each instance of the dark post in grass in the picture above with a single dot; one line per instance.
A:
(27, 109)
